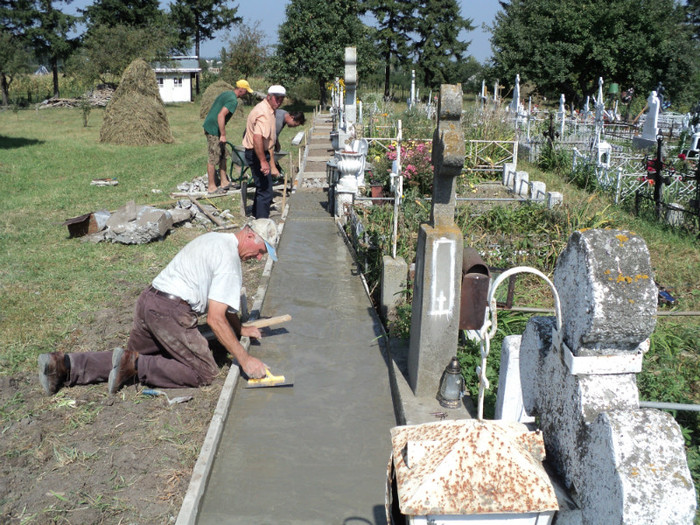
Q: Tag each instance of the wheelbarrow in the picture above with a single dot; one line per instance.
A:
(245, 176)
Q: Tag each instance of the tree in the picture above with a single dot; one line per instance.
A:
(246, 53)
(14, 58)
(563, 46)
(108, 50)
(198, 20)
(437, 47)
(49, 36)
(313, 38)
(395, 22)
(131, 13)
(693, 13)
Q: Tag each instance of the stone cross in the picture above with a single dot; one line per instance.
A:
(625, 464)
(350, 86)
(448, 154)
(412, 100)
(515, 103)
(435, 308)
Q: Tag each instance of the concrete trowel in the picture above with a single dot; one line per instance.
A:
(269, 381)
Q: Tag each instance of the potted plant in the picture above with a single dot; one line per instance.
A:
(377, 182)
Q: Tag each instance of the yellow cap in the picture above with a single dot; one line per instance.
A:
(244, 84)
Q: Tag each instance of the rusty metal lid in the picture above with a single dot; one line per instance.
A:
(470, 467)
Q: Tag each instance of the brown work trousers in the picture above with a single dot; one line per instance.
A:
(173, 353)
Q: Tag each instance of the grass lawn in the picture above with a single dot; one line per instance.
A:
(49, 282)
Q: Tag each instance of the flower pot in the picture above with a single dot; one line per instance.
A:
(377, 190)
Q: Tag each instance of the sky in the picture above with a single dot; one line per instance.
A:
(271, 13)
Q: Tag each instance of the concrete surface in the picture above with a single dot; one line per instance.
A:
(315, 453)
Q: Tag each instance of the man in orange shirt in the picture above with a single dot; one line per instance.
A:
(259, 143)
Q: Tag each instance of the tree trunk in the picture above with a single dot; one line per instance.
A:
(54, 70)
(322, 91)
(196, 52)
(5, 88)
(387, 73)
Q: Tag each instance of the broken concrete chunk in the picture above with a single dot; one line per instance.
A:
(138, 224)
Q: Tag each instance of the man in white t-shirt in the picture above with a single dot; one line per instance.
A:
(165, 347)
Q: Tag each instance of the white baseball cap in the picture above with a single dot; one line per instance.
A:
(277, 90)
(267, 229)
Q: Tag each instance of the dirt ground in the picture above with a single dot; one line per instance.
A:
(84, 457)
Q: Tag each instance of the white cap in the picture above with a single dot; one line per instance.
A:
(277, 90)
(267, 229)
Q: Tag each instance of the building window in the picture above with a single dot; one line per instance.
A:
(177, 81)
(160, 81)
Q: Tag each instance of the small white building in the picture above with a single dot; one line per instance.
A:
(176, 78)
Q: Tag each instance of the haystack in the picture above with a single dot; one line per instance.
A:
(210, 94)
(136, 114)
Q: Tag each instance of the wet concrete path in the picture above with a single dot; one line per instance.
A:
(315, 453)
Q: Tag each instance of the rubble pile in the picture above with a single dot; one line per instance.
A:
(98, 97)
(196, 185)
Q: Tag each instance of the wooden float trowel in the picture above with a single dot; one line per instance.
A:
(269, 381)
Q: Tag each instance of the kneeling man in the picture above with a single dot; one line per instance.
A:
(165, 348)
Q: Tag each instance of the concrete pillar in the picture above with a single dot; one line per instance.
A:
(435, 307)
(520, 183)
(394, 277)
(508, 174)
(509, 400)
(538, 191)
(554, 198)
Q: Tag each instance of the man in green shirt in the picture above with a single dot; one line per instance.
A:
(221, 111)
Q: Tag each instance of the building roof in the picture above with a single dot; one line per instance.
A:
(178, 64)
(470, 467)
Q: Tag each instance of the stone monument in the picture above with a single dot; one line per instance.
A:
(435, 311)
(623, 464)
(651, 125)
(347, 133)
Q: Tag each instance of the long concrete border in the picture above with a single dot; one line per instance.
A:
(202, 468)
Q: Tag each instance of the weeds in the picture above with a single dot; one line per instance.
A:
(65, 455)
(554, 158)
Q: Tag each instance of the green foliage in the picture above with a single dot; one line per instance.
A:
(554, 158)
(469, 354)
(101, 60)
(130, 13)
(671, 374)
(437, 47)
(414, 123)
(416, 166)
(29, 89)
(302, 90)
(14, 60)
(246, 52)
(487, 124)
(563, 46)
(395, 23)
(85, 107)
(583, 176)
(46, 29)
(198, 20)
(312, 42)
